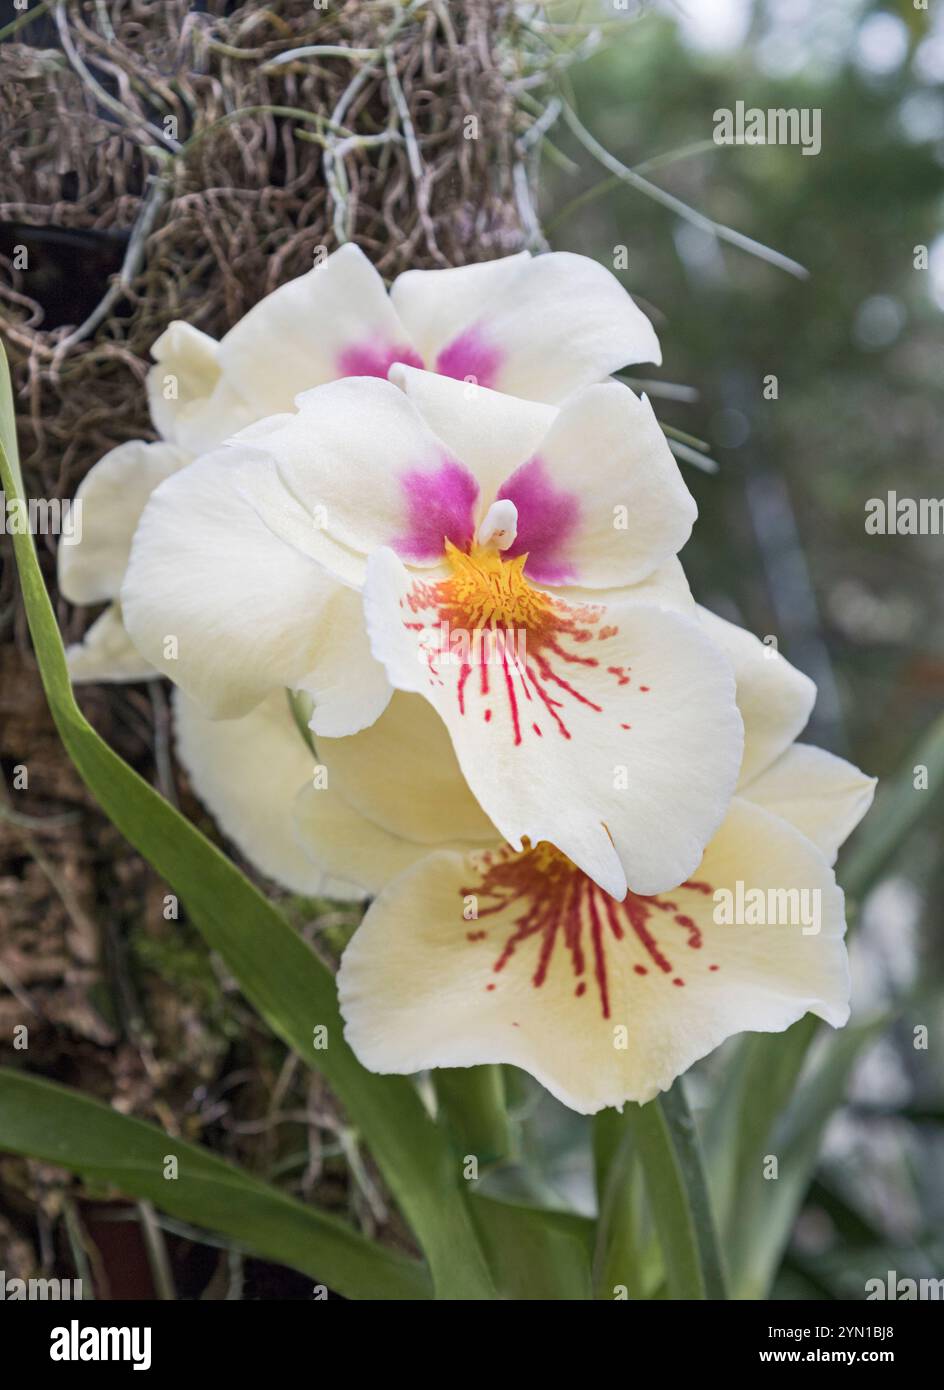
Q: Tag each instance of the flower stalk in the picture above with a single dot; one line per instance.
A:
(471, 1104)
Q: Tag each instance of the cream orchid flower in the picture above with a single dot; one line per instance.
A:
(602, 1001)
(473, 954)
(518, 567)
(537, 327)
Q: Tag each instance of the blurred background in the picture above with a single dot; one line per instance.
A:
(857, 350)
(791, 400)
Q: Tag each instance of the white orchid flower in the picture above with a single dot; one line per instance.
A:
(518, 567)
(472, 955)
(537, 327)
(475, 953)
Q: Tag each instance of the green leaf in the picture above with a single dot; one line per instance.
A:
(664, 1137)
(766, 1209)
(58, 1125)
(276, 970)
(760, 1079)
(535, 1254)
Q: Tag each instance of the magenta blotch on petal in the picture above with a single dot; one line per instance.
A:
(440, 507)
(370, 359)
(470, 356)
(547, 519)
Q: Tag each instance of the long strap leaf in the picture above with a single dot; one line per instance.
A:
(61, 1126)
(663, 1136)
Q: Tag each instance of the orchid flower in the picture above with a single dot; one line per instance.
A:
(537, 327)
(473, 952)
(519, 570)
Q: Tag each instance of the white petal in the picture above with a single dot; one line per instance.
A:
(191, 403)
(335, 321)
(491, 433)
(230, 613)
(106, 653)
(602, 1002)
(111, 498)
(775, 699)
(436, 305)
(345, 845)
(248, 772)
(602, 502)
(359, 468)
(822, 795)
(262, 488)
(402, 773)
(387, 794)
(610, 731)
(348, 685)
(538, 328)
(667, 587)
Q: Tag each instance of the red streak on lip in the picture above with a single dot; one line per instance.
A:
(512, 698)
(531, 656)
(599, 959)
(460, 689)
(552, 900)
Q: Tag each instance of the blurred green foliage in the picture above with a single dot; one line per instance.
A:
(857, 350)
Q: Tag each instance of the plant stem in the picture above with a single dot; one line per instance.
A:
(472, 1103)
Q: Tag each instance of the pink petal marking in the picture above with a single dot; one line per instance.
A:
(440, 507)
(470, 355)
(374, 359)
(547, 519)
